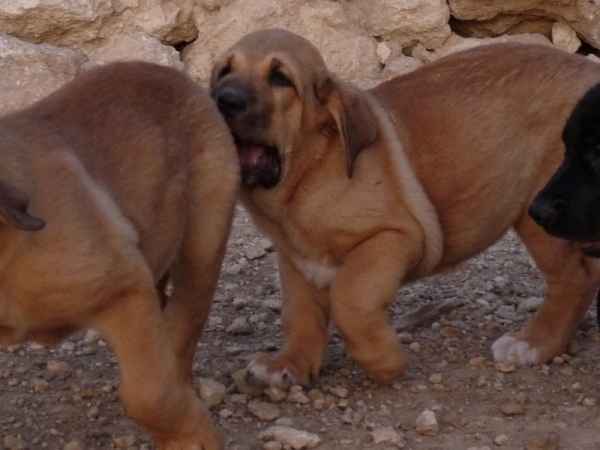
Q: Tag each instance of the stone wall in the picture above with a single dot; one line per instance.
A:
(44, 43)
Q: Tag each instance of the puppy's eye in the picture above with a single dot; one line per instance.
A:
(224, 71)
(277, 78)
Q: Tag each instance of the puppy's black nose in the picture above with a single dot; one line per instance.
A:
(544, 213)
(231, 102)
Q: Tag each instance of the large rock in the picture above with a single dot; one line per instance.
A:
(489, 17)
(29, 72)
(85, 23)
(405, 22)
(136, 46)
(346, 47)
(58, 22)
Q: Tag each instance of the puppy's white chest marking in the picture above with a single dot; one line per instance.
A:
(319, 273)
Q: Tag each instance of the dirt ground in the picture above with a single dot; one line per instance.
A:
(65, 397)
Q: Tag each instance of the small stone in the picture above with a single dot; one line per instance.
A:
(225, 413)
(589, 402)
(530, 304)
(239, 302)
(340, 392)
(210, 391)
(386, 434)
(505, 367)
(450, 332)
(501, 440)
(297, 396)
(275, 393)
(274, 304)
(565, 37)
(254, 251)
(93, 413)
(124, 442)
(383, 53)
(415, 347)
(477, 362)
(234, 269)
(296, 439)
(427, 423)
(59, 368)
(264, 411)
(542, 442)
(436, 378)
(74, 445)
(39, 385)
(239, 325)
(513, 409)
(266, 244)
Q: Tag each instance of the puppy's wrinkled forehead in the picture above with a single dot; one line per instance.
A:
(259, 49)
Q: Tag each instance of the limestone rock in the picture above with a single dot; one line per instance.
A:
(57, 22)
(296, 439)
(136, 46)
(347, 48)
(406, 21)
(29, 72)
(490, 18)
(565, 38)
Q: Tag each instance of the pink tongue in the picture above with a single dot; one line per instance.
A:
(251, 155)
(591, 245)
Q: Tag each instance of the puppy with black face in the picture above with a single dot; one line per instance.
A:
(362, 191)
(568, 206)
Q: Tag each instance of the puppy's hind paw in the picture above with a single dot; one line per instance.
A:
(516, 351)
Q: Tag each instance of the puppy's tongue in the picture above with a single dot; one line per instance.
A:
(595, 245)
(252, 155)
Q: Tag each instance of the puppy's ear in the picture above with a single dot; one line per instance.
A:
(352, 115)
(13, 210)
(221, 68)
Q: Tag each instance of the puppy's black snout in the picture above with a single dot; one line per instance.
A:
(231, 102)
(544, 213)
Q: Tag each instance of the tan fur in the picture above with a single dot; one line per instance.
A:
(134, 174)
(460, 149)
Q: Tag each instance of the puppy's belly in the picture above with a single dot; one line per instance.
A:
(318, 273)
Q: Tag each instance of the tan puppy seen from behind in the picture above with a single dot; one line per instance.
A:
(362, 191)
(119, 180)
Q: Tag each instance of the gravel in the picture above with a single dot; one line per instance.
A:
(65, 398)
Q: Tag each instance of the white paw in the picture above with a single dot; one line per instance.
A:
(519, 352)
(257, 374)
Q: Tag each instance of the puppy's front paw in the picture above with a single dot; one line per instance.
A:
(517, 351)
(275, 370)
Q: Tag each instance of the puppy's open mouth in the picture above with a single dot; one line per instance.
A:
(591, 248)
(260, 164)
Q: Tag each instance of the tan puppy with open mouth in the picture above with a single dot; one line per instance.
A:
(120, 180)
(362, 191)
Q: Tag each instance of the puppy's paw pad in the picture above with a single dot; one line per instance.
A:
(259, 374)
(514, 350)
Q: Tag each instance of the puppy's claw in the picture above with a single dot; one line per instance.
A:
(516, 351)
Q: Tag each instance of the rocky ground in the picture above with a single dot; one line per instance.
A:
(453, 398)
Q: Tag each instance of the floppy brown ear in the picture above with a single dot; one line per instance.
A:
(13, 210)
(352, 115)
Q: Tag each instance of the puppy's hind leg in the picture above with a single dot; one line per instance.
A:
(152, 390)
(572, 280)
(212, 192)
